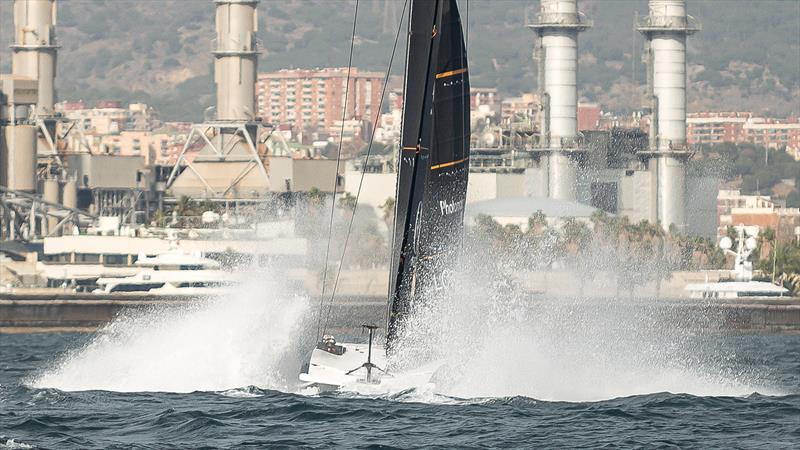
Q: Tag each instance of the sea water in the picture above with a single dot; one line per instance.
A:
(223, 373)
(251, 416)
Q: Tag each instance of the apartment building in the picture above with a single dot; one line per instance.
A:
(109, 117)
(741, 127)
(524, 107)
(773, 133)
(757, 212)
(315, 98)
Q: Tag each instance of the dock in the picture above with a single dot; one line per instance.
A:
(84, 312)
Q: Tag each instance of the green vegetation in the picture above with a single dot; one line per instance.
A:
(781, 260)
(387, 208)
(347, 201)
(637, 253)
(755, 168)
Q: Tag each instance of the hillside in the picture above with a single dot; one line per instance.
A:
(746, 57)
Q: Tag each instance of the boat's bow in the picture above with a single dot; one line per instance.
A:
(345, 364)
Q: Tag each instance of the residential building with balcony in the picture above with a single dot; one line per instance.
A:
(314, 99)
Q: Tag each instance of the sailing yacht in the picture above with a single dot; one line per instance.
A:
(430, 195)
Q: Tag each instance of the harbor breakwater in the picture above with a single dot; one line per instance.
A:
(50, 312)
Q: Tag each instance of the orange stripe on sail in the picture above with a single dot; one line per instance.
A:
(448, 164)
(450, 73)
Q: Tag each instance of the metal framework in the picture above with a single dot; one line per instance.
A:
(26, 216)
(251, 133)
(248, 131)
(122, 203)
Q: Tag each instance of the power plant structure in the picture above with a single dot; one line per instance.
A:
(231, 157)
(665, 30)
(623, 170)
(34, 53)
(557, 26)
(229, 164)
(37, 198)
(17, 133)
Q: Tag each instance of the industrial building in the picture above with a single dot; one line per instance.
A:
(38, 196)
(559, 150)
(231, 163)
(546, 146)
(621, 171)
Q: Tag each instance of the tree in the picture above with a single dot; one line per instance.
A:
(378, 148)
(184, 206)
(347, 201)
(387, 207)
(575, 235)
(316, 197)
(159, 218)
(537, 222)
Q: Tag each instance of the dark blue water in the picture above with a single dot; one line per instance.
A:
(254, 418)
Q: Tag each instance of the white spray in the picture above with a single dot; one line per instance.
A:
(488, 342)
(249, 338)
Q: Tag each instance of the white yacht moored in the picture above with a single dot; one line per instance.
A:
(741, 284)
(173, 273)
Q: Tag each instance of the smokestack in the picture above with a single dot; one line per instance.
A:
(34, 49)
(229, 165)
(236, 59)
(665, 30)
(557, 26)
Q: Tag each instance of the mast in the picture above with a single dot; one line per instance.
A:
(434, 159)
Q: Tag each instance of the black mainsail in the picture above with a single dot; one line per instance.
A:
(434, 158)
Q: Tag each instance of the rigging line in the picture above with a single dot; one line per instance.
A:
(466, 95)
(466, 46)
(364, 167)
(338, 162)
(399, 153)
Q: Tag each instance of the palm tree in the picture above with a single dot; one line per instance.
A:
(388, 210)
(184, 205)
(316, 197)
(347, 201)
(537, 222)
(600, 220)
(159, 218)
(575, 235)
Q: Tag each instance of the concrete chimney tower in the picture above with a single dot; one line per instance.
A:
(665, 30)
(229, 164)
(34, 57)
(34, 49)
(557, 26)
(236, 59)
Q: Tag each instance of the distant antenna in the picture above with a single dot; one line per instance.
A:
(633, 46)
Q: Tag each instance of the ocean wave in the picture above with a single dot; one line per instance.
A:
(12, 444)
